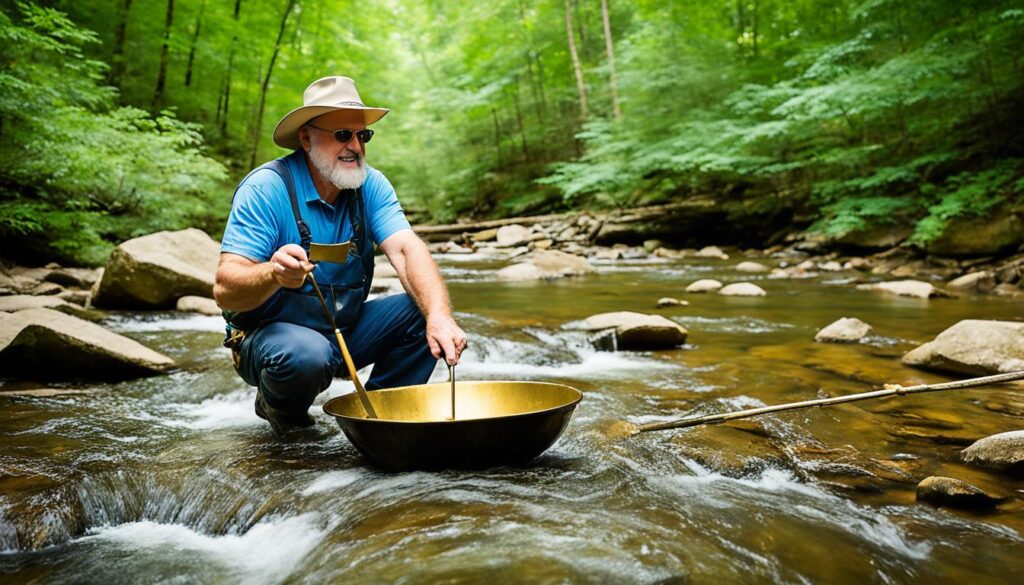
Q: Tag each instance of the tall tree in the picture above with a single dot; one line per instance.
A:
(612, 84)
(224, 103)
(581, 86)
(266, 82)
(161, 76)
(195, 41)
(117, 59)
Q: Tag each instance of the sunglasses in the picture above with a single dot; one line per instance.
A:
(345, 136)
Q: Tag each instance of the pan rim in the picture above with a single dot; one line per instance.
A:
(571, 404)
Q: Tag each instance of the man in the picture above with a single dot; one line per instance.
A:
(323, 192)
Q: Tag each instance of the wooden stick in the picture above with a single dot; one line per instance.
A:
(889, 390)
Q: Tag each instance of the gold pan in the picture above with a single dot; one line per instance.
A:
(499, 423)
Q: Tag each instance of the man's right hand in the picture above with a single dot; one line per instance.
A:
(290, 266)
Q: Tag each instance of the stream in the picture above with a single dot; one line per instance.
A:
(175, 479)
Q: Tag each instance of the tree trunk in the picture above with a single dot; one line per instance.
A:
(266, 82)
(497, 135)
(753, 24)
(161, 76)
(612, 84)
(581, 87)
(227, 82)
(519, 118)
(195, 39)
(117, 59)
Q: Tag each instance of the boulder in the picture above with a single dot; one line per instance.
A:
(546, 265)
(906, 288)
(742, 289)
(201, 305)
(974, 347)
(46, 344)
(543, 244)
(650, 246)
(998, 230)
(15, 303)
(510, 236)
(751, 267)
(74, 277)
(1004, 452)
(634, 331)
(704, 285)
(485, 235)
(982, 282)
(955, 493)
(830, 266)
(712, 252)
(845, 330)
(154, 271)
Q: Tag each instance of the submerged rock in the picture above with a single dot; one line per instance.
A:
(154, 271)
(711, 252)
(670, 302)
(751, 267)
(547, 264)
(973, 346)
(906, 288)
(845, 330)
(982, 282)
(704, 285)
(1004, 452)
(955, 493)
(742, 289)
(201, 305)
(629, 330)
(45, 344)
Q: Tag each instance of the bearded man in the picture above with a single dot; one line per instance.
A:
(323, 192)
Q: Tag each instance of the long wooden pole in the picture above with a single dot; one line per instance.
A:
(889, 390)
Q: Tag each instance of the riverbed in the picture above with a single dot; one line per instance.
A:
(175, 479)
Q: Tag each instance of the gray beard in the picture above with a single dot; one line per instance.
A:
(340, 177)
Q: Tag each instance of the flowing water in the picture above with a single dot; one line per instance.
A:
(174, 478)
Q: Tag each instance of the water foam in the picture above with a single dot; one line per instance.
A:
(268, 552)
(164, 322)
(224, 411)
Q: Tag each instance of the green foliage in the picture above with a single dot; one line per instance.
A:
(80, 174)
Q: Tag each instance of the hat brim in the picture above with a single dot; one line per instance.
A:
(286, 134)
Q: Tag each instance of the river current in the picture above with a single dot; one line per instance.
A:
(174, 478)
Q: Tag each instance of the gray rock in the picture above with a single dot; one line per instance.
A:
(456, 248)
(742, 289)
(712, 252)
(830, 266)
(154, 271)
(78, 297)
(906, 288)
(704, 285)
(751, 267)
(510, 236)
(974, 347)
(954, 493)
(635, 330)
(201, 305)
(546, 265)
(15, 303)
(74, 277)
(1004, 452)
(845, 330)
(47, 344)
(983, 281)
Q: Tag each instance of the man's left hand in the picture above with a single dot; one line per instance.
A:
(445, 336)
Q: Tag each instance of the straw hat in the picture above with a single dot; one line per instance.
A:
(323, 96)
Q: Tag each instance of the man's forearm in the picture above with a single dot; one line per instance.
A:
(241, 287)
(421, 278)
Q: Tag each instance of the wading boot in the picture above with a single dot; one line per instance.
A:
(281, 422)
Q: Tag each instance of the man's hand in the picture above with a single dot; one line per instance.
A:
(290, 266)
(444, 336)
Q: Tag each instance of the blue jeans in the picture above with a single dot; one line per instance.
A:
(291, 364)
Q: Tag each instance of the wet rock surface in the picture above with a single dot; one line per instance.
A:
(954, 493)
(973, 346)
(628, 330)
(742, 289)
(845, 330)
(545, 265)
(45, 344)
(1003, 452)
(704, 285)
(906, 288)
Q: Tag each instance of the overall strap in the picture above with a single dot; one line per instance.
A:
(285, 173)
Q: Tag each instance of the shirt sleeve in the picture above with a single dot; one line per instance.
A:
(253, 226)
(386, 214)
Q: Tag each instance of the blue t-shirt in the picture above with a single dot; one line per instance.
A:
(262, 221)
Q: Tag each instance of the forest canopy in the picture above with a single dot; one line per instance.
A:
(122, 118)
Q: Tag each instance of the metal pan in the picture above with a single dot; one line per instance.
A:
(499, 423)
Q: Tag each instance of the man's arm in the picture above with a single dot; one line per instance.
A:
(243, 285)
(422, 280)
